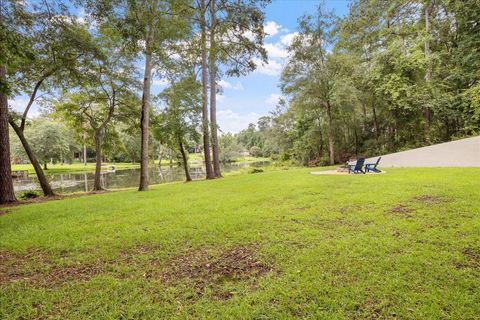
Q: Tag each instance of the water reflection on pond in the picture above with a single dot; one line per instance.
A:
(79, 182)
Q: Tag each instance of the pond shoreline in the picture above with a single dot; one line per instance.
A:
(74, 182)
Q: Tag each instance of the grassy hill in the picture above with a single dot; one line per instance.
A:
(273, 245)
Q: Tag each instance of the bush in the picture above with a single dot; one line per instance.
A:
(285, 156)
(255, 151)
(323, 161)
(29, 194)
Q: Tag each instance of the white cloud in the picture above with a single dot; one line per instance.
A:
(271, 68)
(227, 85)
(271, 28)
(276, 50)
(277, 54)
(273, 99)
(221, 98)
(287, 39)
(230, 121)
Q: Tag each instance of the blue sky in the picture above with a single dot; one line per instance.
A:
(247, 98)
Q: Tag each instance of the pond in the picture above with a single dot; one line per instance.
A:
(82, 182)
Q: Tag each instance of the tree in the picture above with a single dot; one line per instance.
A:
(229, 148)
(236, 40)
(397, 75)
(51, 45)
(6, 184)
(49, 141)
(8, 49)
(178, 122)
(107, 86)
(148, 26)
(310, 72)
(205, 130)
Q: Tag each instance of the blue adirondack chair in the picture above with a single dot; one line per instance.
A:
(373, 166)
(357, 167)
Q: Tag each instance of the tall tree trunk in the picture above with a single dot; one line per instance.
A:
(185, 162)
(213, 91)
(364, 113)
(375, 121)
(98, 136)
(391, 131)
(331, 148)
(427, 111)
(7, 194)
(47, 190)
(206, 138)
(144, 122)
(85, 148)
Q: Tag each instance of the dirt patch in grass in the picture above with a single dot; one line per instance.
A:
(60, 275)
(402, 209)
(37, 268)
(206, 269)
(472, 255)
(211, 270)
(428, 199)
(370, 310)
(40, 269)
(12, 266)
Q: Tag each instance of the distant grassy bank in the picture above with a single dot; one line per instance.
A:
(74, 167)
(273, 245)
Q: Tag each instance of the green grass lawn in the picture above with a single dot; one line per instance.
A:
(273, 245)
(73, 168)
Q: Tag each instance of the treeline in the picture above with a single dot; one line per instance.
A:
(55, 142)
(82, 61)
(389, 76)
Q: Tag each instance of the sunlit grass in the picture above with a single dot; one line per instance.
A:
(404, 245)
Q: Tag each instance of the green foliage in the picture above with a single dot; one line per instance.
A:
(377, 81)
(29, 194)
(255, 151)
(230, 149)
(178, 122)
(49, 140)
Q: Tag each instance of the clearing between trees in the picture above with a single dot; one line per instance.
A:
(277, 244)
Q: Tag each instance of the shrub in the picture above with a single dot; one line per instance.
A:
(29, 194)
(323, 161)
(255, 151)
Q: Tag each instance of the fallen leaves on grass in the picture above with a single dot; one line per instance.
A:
(209, 270)
(12, 265)
(206, 269)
